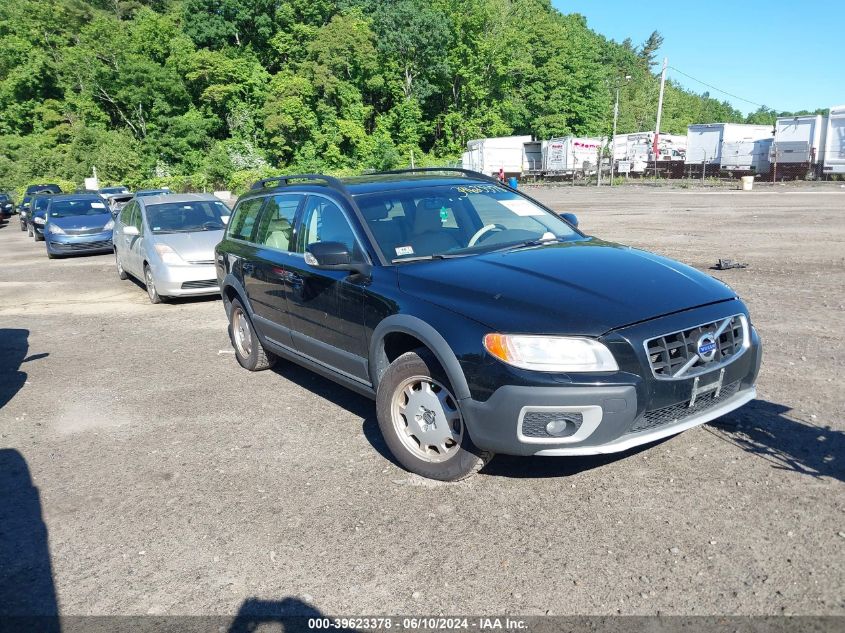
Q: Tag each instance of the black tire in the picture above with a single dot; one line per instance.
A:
(23, 226)
(50, 255)
(29, 231)
(39, 238)
(121, 273)
(249, 351)
(149, 282)
(463, 458)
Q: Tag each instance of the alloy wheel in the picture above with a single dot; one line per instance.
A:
(426, 419)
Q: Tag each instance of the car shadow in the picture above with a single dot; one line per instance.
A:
(178, 300)
(535, 467)
(356, 404)
(27, 590)
(291, 615)
(14, 345)
(770, 431)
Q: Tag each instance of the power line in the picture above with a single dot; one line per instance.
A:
(724, 92)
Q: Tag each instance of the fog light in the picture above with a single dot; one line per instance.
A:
(556, 427)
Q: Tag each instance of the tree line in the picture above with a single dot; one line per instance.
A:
(200, 94)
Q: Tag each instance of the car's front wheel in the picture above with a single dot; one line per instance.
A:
(29, 231)
(121, 274)
(149, 280)
(249, 351)
(421, 420)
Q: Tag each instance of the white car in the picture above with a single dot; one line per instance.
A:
(167, 242)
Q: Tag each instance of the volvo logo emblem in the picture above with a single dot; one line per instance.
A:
(707, 347)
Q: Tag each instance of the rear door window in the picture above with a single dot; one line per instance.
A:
(275, 228)
(243, 223)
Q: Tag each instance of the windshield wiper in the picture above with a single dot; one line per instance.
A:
(528, 243)
(427, 258)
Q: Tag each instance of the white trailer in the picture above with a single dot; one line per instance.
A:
(532, 157)
(704, 144)
(734, 147)
(489, 155)
(834, 147)
(637, 149)
(570, 154)
(798, 147)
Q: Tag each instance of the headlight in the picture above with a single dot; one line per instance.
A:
(550, 353)
(54, 228)
(23, 213)
(39, 220)
(109, 225)
(168, 255)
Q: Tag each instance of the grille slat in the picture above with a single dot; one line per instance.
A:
(679, 412)
(670, 352)
(204, 283)
(81, 246)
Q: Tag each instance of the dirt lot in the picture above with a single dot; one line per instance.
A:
(172, 481)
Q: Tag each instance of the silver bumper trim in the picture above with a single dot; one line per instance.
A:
(630, 441)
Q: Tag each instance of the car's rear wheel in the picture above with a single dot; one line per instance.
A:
(149, 280)
(249, 351)
(23, 226)
(421, 421)
(121, 274)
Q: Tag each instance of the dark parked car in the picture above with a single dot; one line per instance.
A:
(37, 215)
(78, 223)
(7, 205)
(49, 188)
(480, 321)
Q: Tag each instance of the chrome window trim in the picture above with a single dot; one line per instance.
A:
(746, 343)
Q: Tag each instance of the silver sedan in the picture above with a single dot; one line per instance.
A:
(167, 242)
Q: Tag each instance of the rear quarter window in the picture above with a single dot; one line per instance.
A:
(242, 224)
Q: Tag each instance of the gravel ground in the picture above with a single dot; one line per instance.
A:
(171, 481)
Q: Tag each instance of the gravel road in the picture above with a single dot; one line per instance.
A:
(171, 481)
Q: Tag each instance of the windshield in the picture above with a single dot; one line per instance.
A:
(40, 203)
(70, 208)
(186, 217)
(456, 220)
(114, 190)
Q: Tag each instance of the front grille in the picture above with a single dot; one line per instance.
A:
(534, 423)
(679, 412)
(80, 246)
(676, 355)
(205, 283)
(92, 231)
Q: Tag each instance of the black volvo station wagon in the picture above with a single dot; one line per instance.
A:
(480, 321)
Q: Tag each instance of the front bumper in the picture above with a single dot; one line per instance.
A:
(63, 244)
(186, 281)
(616, 415)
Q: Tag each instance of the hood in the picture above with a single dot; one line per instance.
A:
(82, 221)
(585, 287)
(197, 246)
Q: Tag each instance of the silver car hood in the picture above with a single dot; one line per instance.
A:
(197, 246)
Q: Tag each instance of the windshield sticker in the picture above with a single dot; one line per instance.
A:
(521, 207)
(404, 250)
(478, 189)
(98, 205)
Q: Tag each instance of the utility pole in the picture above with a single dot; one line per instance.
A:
(615, 119)
(659, 112)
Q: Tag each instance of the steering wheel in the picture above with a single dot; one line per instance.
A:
(483, 230)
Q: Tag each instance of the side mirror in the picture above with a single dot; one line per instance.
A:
(571, 218)
(131, 230)
(332, 256)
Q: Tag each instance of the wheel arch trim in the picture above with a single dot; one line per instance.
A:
(428, 336)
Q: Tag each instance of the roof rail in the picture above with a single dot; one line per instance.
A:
(283, 181)
(422, 170)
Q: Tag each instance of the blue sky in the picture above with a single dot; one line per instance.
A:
(733, 45)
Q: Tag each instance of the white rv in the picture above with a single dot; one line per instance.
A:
(489, 155)
(834, 146)
(799, 140)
